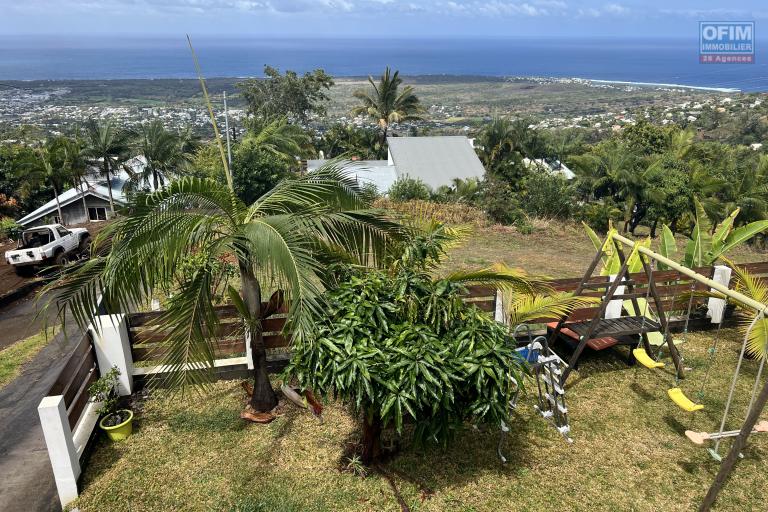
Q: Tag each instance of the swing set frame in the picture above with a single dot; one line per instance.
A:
(760, 309)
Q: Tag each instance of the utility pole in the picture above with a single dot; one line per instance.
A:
(226, 129)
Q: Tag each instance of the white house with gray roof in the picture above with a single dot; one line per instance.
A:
(436, 161)
(96, 194)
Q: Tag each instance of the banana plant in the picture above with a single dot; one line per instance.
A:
(706, 245)
(610, 255)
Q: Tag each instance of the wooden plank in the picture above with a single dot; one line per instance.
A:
(81, 397)
(86, 364)
(276, 341)
(273, 324)
(480, 290)
(487, 305)
(154, 335)
(70, 367)
(158, 351)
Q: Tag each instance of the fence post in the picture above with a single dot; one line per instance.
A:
(498, 314)
(716, 307)
(61, 447)
(614, 307)
(113, 348)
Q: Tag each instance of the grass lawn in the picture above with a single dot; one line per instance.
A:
(556, 249)
(14, 357)
(195, 454)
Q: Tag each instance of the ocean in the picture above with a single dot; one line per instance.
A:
(667, 61)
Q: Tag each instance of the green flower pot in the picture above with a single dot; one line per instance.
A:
(121, 431)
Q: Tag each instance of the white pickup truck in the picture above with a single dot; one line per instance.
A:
(47, 245)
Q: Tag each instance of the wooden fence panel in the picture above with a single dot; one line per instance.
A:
(78, 373)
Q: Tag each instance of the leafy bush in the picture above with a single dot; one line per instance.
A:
(547, 196)
(599, 215)
(9, 229)
(407, 189)
(104, 391)
(399, 345)
(500, 201)
(407, 346)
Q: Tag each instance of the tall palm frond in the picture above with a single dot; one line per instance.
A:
(521, 308)
(274, 241)
(755, 289)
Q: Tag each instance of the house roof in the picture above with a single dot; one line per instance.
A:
(435, 160)
(376, 172)
(95, 187)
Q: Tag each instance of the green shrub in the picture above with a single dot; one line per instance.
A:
(500, 201)
(9, 229)
(547, 196)
(407, 189)
(600, 214)
(397, 345)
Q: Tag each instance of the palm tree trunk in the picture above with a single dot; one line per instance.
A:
(58, 204)
(109, 185)
(154, 179)
(263, 398)
(733, 455)
(85, 206)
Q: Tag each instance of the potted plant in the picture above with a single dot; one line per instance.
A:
(117, 423)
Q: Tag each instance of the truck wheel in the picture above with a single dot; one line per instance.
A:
(85, 247)
(60, 259)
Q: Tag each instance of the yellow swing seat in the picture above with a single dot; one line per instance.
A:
(682, 401)
(644, 359)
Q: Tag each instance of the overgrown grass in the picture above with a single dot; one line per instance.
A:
(193, 453)
(14, 357)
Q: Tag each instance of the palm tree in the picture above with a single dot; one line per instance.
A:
(109, 145)
(74, 162)
(48, 167)
(278, 137)
(166, 153)
(279, 241)
(385, 103)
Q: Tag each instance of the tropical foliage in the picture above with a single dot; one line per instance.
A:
(281, 243)
(401, 346)
(386, 103)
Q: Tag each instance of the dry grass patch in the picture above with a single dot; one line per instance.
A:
(193, 453)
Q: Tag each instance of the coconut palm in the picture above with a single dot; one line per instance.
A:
(47, 167)
(278, 243)
(76, 165)
(166, 153)
(386, 103)
(278, 137)
(109, 146)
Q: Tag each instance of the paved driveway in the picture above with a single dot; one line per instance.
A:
(26, 478)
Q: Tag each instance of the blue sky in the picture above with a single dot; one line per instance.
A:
(373, 18)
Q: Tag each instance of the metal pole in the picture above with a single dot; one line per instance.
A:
(226, 129)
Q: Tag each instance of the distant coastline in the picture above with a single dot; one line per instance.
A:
(655, 84)
(655, 63)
